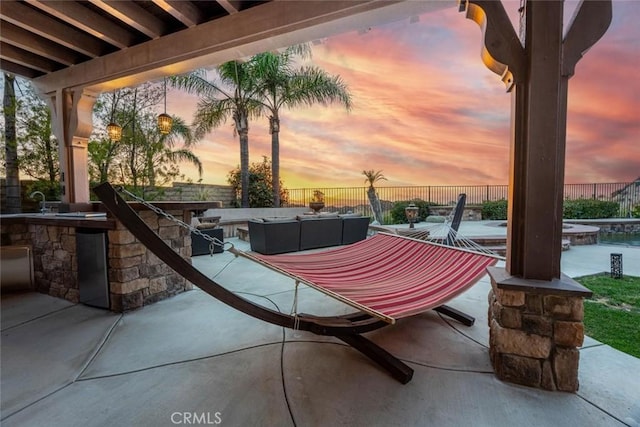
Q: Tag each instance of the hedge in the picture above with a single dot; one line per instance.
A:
(398, 215)
(572, 209)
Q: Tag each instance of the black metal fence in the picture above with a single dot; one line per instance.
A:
(354, 199)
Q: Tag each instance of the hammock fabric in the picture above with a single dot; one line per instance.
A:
(386, 275)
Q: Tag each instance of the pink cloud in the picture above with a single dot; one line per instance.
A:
(427, 112)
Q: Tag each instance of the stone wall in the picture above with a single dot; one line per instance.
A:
(136, 276)
(54, 257)
(611, 226)
(182, 191)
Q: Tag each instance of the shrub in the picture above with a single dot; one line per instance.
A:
(494, 210)
(589, 209)
(51, 190)
(399, 217)
(635, 213)
(387, 218)
(260, 185)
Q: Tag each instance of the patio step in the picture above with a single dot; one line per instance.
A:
(243, 233)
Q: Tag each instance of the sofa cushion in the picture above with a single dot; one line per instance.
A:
(278, 219)
(328, 214)
(274, 237)
(354, 229)
(320, 233)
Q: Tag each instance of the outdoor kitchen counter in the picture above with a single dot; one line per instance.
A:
(98, 218)
(52, 219)
(132, 275)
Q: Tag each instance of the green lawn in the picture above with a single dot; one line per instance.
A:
(612, 314)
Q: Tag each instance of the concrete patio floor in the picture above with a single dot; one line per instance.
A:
(192, 360)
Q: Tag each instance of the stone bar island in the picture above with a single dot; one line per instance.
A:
(87, 256)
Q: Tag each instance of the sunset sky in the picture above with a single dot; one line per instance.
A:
(427, 111)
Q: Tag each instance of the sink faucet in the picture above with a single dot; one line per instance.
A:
(44, 200)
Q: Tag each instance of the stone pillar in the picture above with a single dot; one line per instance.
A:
(535, 331)
(136, 276)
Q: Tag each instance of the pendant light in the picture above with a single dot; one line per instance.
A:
(114, 131)
(165, 122)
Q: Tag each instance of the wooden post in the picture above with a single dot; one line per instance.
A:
(534, 234)
(72, 122)
(537, 71)
(535, 312)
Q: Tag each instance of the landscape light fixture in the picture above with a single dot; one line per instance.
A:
(411, 213)
(616, 266)
(165, 122)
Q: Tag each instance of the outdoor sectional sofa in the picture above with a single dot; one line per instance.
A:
(280, 235)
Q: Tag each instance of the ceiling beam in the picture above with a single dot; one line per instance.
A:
(262, 28)
(86, 20)
(19, 70)
(184, 11)
(44, 26)
(230, 6)
(27, 59)
(134, 16)
(37, 45)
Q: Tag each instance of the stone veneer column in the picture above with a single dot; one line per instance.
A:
(534, 331)
(137, 277)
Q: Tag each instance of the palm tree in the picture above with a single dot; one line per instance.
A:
(232, 97)
(280, 84)
(374, 201)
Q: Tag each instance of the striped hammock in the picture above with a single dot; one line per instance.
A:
(387, 276)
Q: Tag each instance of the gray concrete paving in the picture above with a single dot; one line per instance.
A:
(192, 360)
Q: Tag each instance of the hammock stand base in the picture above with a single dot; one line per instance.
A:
(458, 315)
(347, 328)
